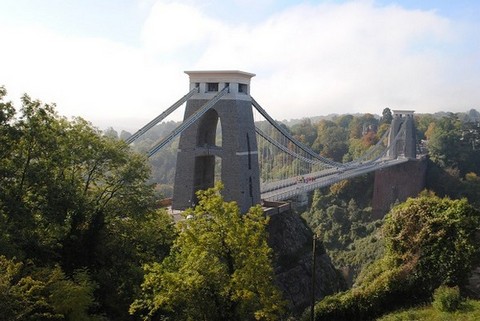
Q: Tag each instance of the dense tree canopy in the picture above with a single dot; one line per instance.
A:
(78, 222)
(429, 242)
(331, 140)
(452, 142)
(444, 141)
(342, 219)
(305, 131)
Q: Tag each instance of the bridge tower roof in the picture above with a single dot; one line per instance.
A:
(220, 76)
(210, 82)
(403, 112)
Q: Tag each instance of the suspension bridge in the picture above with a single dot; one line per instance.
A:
(255, 157)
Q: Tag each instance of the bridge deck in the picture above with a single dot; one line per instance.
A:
(290, 188)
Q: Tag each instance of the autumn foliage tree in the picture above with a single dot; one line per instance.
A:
(219, 268)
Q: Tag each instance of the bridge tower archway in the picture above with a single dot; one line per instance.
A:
(199, 144)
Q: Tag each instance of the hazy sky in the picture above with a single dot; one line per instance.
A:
(120, 62)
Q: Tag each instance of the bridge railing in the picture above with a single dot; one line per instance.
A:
(300, 188)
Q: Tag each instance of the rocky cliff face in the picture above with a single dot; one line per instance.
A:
(473, 285)
(291, 240)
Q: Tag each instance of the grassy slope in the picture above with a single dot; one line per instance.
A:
(470, 311)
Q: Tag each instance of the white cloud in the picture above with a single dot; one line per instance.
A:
(100, 80)
(340, 58)
(309, 60)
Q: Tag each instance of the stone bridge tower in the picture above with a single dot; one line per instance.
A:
(406, 145)
(397, 183)
(202, 156)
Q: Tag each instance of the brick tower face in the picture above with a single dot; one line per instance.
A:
(198, 150)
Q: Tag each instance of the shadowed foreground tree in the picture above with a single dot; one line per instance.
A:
(72, 199)
(219, 268)
(44, 294)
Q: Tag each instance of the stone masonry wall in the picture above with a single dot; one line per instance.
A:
(397, 183)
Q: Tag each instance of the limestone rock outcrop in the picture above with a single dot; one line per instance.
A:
(291, 240)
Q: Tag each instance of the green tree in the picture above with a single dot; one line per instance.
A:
(386, 116)
(444, 142)
(219, 268)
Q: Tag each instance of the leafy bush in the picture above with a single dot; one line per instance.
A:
(447, 299)
(469, 311)
(436, 236)
(429, 242)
